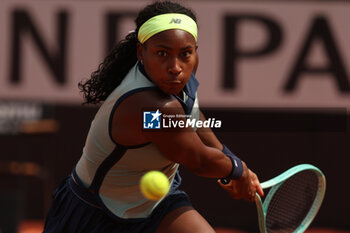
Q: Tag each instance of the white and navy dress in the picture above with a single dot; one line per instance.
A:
(102, 194)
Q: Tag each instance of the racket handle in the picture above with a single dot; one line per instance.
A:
(224, 181)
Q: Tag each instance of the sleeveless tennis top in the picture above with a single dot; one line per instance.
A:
(111, 171)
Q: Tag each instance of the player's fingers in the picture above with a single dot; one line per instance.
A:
(251, 192)
(257, 185)
(249, 196)
(259, 190)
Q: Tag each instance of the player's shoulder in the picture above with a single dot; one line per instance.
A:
(154, 99)
(128, 116)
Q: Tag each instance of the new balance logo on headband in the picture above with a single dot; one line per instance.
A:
(164, 22)
(177, 21)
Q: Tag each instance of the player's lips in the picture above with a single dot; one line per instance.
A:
(174, 82)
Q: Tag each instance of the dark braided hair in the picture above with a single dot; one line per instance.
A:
(122, 58)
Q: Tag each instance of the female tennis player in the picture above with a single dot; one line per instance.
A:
(152, 68)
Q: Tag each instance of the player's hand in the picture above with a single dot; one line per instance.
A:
(245, 187)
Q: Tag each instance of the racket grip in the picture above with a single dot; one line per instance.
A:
(224, 181)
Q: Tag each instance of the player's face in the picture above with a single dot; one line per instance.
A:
(169, 58)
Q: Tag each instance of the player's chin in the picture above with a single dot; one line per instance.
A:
(172, 90)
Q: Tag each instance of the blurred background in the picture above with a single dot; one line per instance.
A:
(276, 72)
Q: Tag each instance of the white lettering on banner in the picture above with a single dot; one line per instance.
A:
(13, 110)
(278, 54)
(14, 114)
(194, 123)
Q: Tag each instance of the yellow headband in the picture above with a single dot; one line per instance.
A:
(165, 22)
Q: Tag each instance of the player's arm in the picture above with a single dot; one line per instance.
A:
(181, 145)
(209, 138)
(184, 146)
(207, 135)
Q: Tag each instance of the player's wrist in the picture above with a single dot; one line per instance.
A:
(237, 164)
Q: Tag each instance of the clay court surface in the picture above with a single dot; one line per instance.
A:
(37, 227)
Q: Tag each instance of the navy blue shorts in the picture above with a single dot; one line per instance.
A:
(70, 214)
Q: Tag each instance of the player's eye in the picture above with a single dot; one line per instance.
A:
(162, 53)
(187, 53)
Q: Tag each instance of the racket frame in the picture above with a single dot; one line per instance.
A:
(276, 182)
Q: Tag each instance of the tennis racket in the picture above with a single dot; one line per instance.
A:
(293, 200)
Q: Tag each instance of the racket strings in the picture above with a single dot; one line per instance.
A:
(291, 202)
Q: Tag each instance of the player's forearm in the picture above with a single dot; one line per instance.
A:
(207, 136)
(211, 163)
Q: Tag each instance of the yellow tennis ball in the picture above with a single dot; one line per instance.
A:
(154, 185)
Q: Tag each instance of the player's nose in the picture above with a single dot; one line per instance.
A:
(174, 66)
